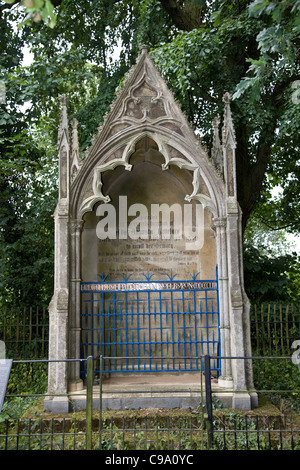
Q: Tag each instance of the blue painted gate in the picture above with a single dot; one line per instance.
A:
(151, 326)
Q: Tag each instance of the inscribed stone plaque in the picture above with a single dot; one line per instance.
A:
(5, 367)
(145, 286)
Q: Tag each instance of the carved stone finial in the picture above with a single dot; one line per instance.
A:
(63, 99)
(63, 117)
(215, 123)
(144, 48)
(74, 124)
(75, 155)
(216, 150)
(228, 133)
(227, 98)
(75, 142)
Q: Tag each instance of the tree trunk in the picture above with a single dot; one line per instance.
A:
(185, 15)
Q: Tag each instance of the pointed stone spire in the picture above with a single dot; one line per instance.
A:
(64, 150)
(229, 146)
(75, 150)
(216, 151)
(64, 125)
(228, 133)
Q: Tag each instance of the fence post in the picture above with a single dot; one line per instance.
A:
(89, 403)
(208, 401)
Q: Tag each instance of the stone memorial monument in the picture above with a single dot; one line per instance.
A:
(147, 202)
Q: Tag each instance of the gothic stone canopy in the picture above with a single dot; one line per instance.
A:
(145, 107)
(146, 111)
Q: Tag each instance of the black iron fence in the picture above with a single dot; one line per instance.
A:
(25, 331)
(273, 425)
(274, 327)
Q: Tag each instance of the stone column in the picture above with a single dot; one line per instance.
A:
(237, 297)
(59, 305)
(225, 380)
(75, 383)
(241, 399)
(58, 317)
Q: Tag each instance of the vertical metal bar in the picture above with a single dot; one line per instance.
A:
(63, 433)
(43, 333)
(235, 432)
(6, 434)
(100, 401)
(201, 403)
(172, 338)
(218, 323)
(287, 328)
(89, 403)
(4, 325)
(257, 432)
(281, 329)
(24, 329)
(149, 331)
(29, 433)
(143, 336)
(90, 351)
(127, 337)
(161, 334)
(18, 433)
(97, 339)
(206, 326)
(269, 435)
(41, 434)
(268, 326)
(208, 400)
(263, 328)
(196, 334)
(293, 317)
(115, 331)
(146, 432)
(102, 336)
(123, 433)
(280, 432)
(256, 327)
(74, 432)
(17, 331)
(30, 324)
(184, 313)
(138, 330)
(37, 330)
(134, 433)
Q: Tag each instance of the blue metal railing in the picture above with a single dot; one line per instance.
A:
(154, 326)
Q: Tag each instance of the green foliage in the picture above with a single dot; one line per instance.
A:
(14, 408)
(279, 38)
(28, 378)
(279, 381)
(28, 197)
(38, 10)
(269, 277)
